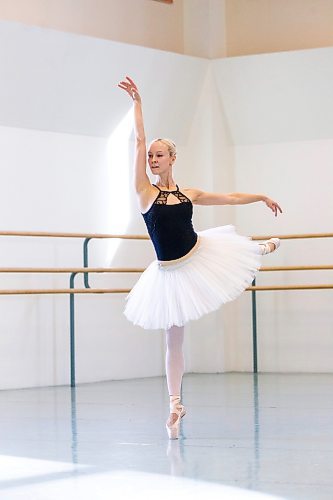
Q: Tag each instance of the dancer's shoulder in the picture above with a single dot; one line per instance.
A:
(191, 193)
(147, 197)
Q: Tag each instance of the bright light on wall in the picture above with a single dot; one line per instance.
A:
(118, 156)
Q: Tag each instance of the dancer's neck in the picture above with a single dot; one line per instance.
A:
(167, 183)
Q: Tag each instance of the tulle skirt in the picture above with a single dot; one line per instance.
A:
(219, 269)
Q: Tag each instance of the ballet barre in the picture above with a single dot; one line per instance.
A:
(86, 270)
(59, 291)
(293, 236)
(60, 270)
(254, 288)
(48, 234)
(288, 287)
(71, 291)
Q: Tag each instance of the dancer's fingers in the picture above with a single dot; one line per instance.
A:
(131, 82)
(278, 208)
(275, 207)
(124, 85)
(127, 88)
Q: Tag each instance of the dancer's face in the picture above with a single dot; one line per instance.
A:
(159, 158)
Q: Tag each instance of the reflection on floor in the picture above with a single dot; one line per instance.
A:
(242, 434)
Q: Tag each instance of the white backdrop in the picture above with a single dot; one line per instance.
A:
(66, 154)
(279, 109)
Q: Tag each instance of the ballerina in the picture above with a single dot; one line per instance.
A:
(195, 272)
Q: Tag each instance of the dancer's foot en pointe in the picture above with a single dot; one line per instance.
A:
(177, 411)
(269, 246)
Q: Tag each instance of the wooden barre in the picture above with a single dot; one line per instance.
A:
(144, 237)
(71, 270)
(294, 236)
(43, 234)
(137, 269)
(289, 287)
(45, 291)
(127, 290)
(297, 268)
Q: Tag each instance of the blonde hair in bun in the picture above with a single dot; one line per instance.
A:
(169, 144)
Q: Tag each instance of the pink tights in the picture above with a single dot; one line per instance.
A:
(174, 361)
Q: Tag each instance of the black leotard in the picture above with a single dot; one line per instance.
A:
(170, 226)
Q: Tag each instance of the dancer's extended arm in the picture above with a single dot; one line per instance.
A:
(204, 198)
(141, 179)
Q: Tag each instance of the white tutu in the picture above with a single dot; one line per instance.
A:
(220, 268)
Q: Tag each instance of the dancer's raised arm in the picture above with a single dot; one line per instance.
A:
(141, 179)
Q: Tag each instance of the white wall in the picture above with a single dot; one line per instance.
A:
(279, 109)
(295, 328)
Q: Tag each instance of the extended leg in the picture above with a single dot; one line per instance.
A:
(269, 246)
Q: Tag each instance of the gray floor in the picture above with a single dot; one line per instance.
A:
(242, 434)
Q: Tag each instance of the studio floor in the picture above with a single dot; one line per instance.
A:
(244, 436)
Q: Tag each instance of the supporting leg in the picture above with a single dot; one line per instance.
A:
(174, 360)
(174, 364)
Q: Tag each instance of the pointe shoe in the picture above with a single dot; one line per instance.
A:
(173, 429)
(267, 248)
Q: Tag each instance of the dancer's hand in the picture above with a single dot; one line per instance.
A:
(130, 87)
(275, 207)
